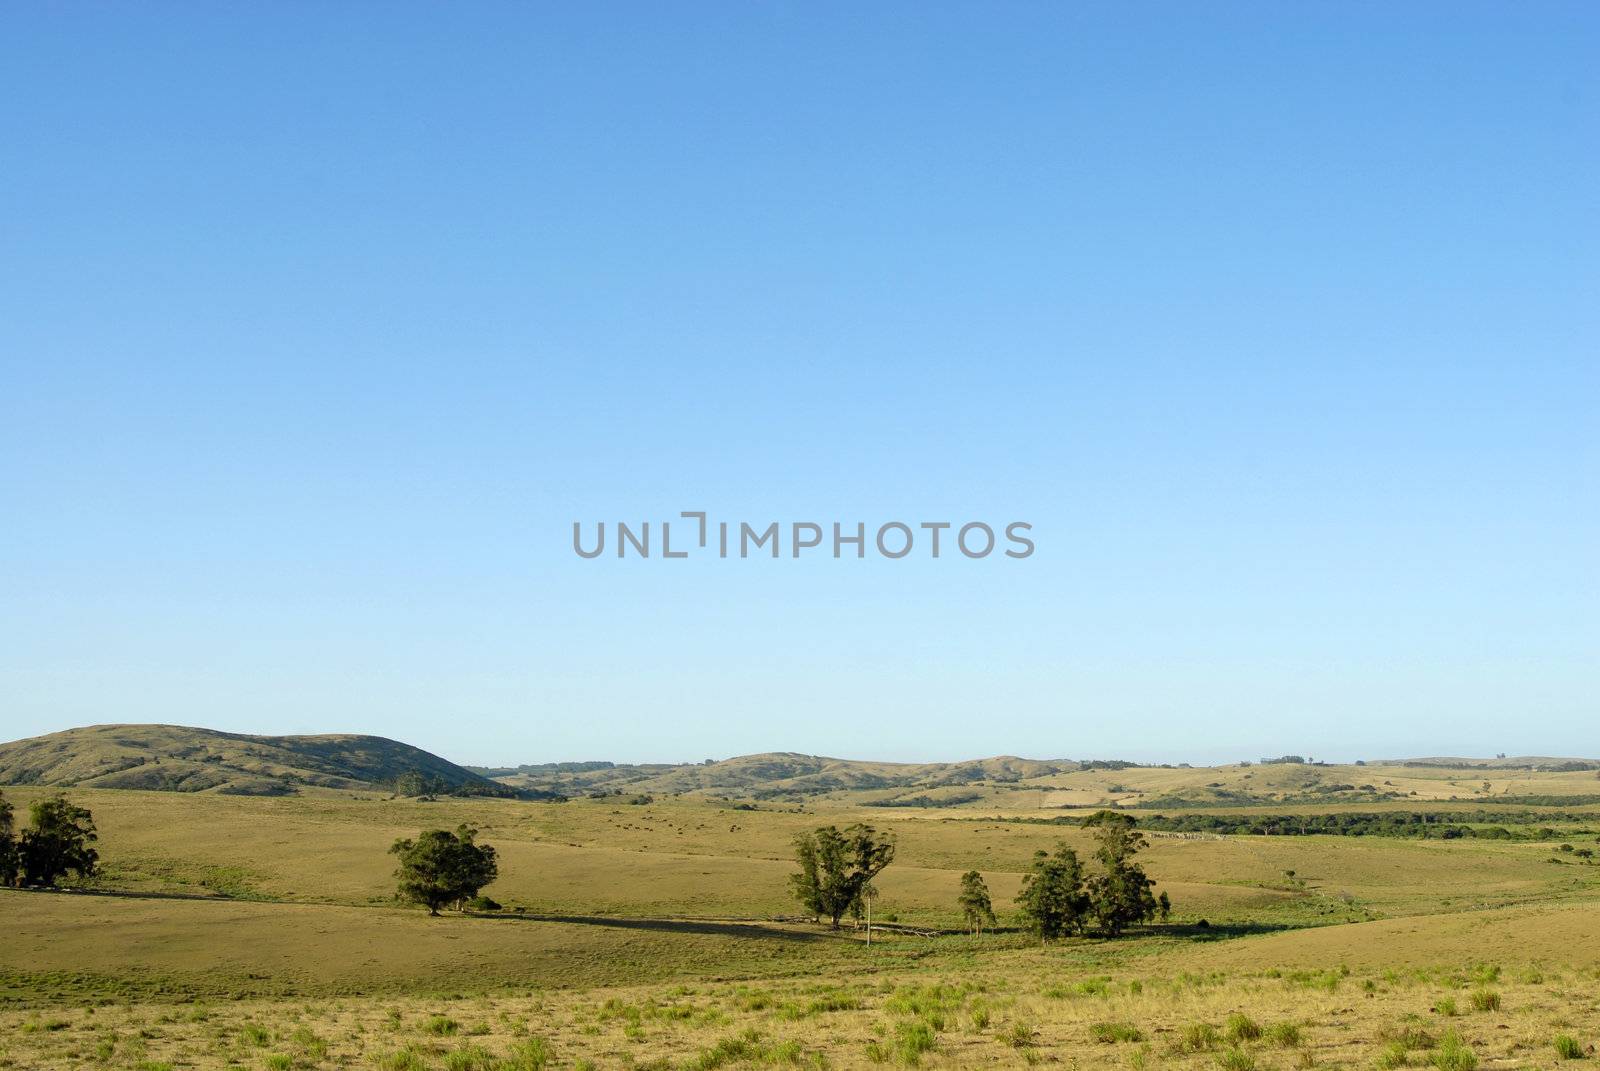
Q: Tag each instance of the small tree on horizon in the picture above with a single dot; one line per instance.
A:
(976, 907)
(1052, 899)
(58, 843)
(836, 866)
(439, 867)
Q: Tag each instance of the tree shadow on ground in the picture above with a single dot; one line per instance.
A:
(751, 930)
(1224, 931)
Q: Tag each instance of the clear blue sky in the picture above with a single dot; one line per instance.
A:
(320, 324)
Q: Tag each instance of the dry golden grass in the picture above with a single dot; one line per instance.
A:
(1019, 1009)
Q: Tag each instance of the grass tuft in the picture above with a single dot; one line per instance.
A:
(1453, 1054)
(1236, 1059)
(1567, 1047)
(1284, 1035)
(1198, 1037)
(1112, 1033)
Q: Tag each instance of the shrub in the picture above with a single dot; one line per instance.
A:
(441, 1025)
(1447, 1007)
(1240, 1027)
(1111, 1033)
(980, 1017)
(1485, 1000)
(1567, 1047)
(1453, 1054)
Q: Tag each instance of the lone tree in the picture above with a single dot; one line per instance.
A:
(1052, 900)
(8, 845)
(974, 901)
(1119, 895)
(59, 843)
(836, 866)
(441, 867)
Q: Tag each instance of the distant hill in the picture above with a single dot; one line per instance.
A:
(179, 759)
(1009, 782)
(771, 775)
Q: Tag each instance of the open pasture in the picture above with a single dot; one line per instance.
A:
(261, 932)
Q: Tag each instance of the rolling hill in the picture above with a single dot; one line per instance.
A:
(180, 759)
(772, 775)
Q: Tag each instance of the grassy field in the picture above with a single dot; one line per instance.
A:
(259, 932)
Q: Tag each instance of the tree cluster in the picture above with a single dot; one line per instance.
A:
(59, 842)
(1059, 897)
(837, 867)
(1441, 825)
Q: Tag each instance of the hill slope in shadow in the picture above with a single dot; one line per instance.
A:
(181, 759)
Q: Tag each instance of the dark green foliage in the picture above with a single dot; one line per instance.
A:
(1440, 825)
(1052, 900)
(58, 843)
(1119, 896)
(976, 907)
(441, 867)
(837, 866)
(9, 861)
(925, 800)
